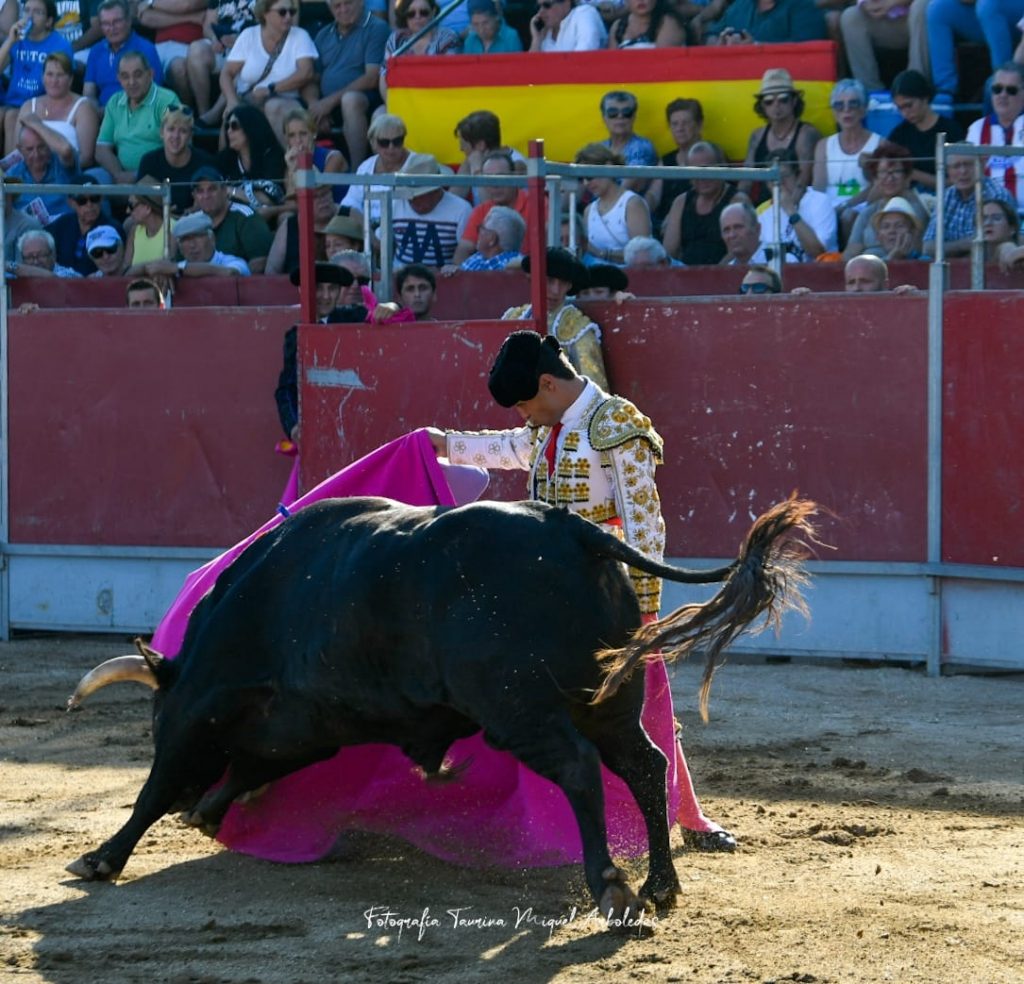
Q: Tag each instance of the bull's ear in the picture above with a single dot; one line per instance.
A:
(161, 667)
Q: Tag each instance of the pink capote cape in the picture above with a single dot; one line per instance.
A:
(498, 812)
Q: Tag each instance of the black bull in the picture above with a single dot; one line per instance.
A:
(365, 620)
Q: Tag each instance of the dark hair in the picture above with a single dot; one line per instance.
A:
(264, 151)
(887, 151)
(402, 11)
(415, 270)
(911, 84)
(1010, 211)
(483, 125)
(127, 53)
(766, 271)
(784, 157)
(619, 95)
(798, 103)
(691, 106)
(143, 284)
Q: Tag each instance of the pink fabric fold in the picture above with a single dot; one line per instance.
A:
(496, 812)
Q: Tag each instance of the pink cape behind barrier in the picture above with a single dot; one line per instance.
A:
(498, 812)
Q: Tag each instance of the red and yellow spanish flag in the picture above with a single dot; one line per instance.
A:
(557, 96)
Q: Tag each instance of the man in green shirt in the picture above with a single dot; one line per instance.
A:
(237, 229)
(131, 122)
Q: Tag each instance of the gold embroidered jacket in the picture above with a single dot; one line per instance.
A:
(578, 335)
(605, 459)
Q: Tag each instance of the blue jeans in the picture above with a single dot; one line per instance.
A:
(992, 22)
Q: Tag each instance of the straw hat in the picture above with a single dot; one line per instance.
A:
(776, 80)
(420, 164)
(897, 206)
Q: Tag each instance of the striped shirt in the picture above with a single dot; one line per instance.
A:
(429, 238)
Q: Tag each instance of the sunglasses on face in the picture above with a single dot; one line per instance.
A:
(755, 289)
(184, 110)
(548, 4)
(232, 125)
(419, 13)
(87, 199)
(99, 251)
(840, 106)
(1011, 90)
(284, 11)
(782, 99)
(391, 141)
(614, 112)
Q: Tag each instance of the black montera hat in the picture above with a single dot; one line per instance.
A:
(608, 275)
(325, 273)
(524, 356)
(563, 265)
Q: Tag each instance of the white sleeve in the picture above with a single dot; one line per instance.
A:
(507, 449)
(821, 217)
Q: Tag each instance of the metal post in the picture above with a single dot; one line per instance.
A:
(387, 248)
(778, 258)
(978, 242)
(305, 181)
(537, 250)
(554, 233)
(940, 196)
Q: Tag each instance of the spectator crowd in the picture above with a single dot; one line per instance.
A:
(220, 99)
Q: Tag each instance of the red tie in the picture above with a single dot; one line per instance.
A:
(549, 450)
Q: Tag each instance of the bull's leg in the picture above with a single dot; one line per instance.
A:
(554, 749)
(158, 795)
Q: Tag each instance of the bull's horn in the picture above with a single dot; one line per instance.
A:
(112, 671)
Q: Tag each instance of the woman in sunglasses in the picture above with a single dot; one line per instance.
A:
(647, 24)
(62, 111)
(146, 239)
(252, 160)
(387, 140)
(270, 64)
(781, 105)
(412, 16)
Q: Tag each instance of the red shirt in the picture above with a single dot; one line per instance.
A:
(477, 216)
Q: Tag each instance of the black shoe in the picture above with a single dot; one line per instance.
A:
(709, 841)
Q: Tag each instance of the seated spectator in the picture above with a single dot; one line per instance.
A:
(351, 54)
(68, 114)
(838, 159)
(36, 256)
(252, 161)
(106, 250)
(131, 122)
(270, 66)
(615, 215)
(753, 22)
(808, 219)
(898, 228)
(223, 22)
(77, 23)
(15, 223)
(176, 160)
(412, 16)
(26, 47)
(567, 25)
(488, 33)
(580, 337)
(299, 138)
(741, 233)
(71, 230)
(778, 102)
(284, 249)
(1004, 127)
(236, 231)
(647, 24)
(618, 110)
(1000, 225)
(101, 80)
(46, 158)
(866, 274)
(509, 196)
(343, 232)
(960, 213)
(989, 23)
(142, 293)
(691, 231)
(912, 93)
(760, 279)
(685, 122)
(387, 138)
(417, 288)
(175, 24)
(200, 256)
(888, 169)
(479, 135)
(498, 244)
(870, 26)
(427, 221)
(146, 238)
(643, 253)
(607, 282)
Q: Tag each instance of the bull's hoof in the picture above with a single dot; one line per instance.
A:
(710, 841)
(620, 906)
(662, 897)
(89, 867)
(194, 818)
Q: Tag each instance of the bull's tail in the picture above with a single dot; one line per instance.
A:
(766, 578)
